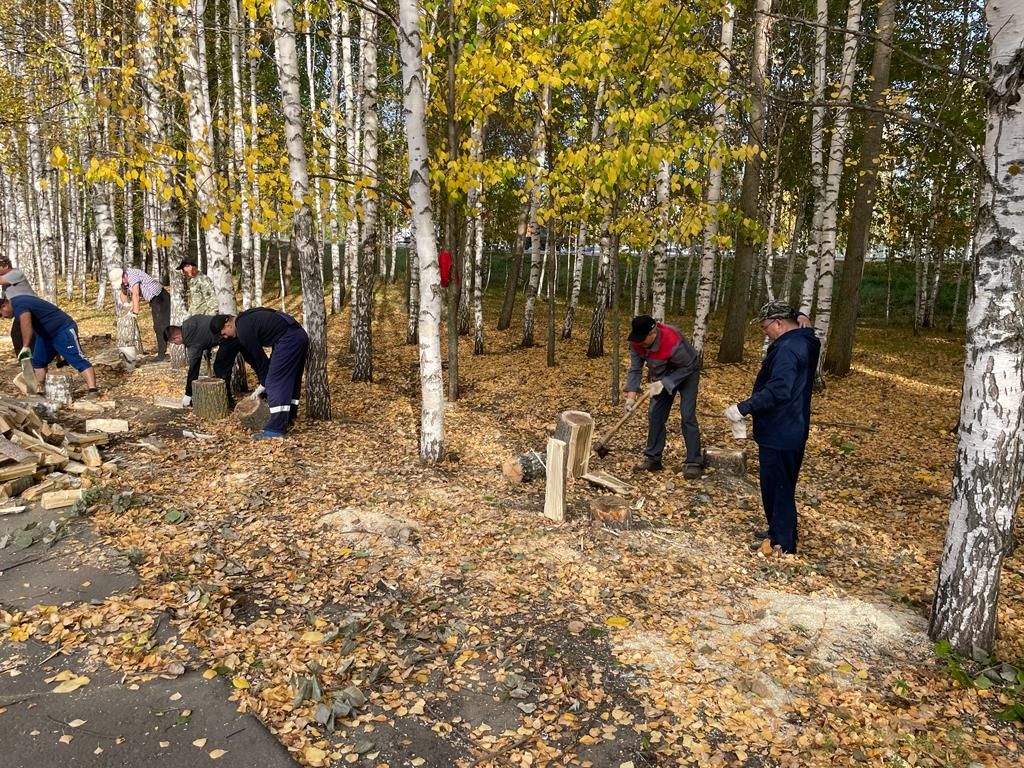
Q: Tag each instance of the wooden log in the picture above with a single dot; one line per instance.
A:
(554, 484)
(19, 470)
(612, 511)
(58, 499)
(86, 438)
(13, 451)
(168, 402)
(729, 461)
(129, 340)
(576, 430)
(19, 382)
(106, 425)
(253, 413)
(75, 468)
(16, 487)
(58, 388)
(604, 479)
(209, 398)
(91, 456)
(31, 384)
(524, 469)
(30, 443)
(39, 489)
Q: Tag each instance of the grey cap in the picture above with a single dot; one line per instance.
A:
(775, 310)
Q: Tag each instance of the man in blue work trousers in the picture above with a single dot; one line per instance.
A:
(280, 375)
(781, 408)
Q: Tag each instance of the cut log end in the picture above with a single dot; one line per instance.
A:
(252, 413)
(209, 398)
(523, 469)
(729, 461)
(611, 511)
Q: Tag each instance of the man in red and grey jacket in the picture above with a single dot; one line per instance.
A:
(672, 367)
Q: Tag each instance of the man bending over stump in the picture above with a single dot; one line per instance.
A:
(198, 339)
(280, 375)
(46, 330)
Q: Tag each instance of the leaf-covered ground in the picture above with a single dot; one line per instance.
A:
(447, 623)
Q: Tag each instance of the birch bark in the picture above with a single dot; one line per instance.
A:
(429, 331)
(988, 471)
(303, 245)
(818, 115)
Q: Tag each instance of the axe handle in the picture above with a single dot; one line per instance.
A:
(603, 443)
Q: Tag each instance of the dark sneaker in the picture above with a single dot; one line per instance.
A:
(267, 435)
(762, 534)
(648, 465)
(693, 471)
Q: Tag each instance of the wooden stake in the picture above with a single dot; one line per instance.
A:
(554, 488)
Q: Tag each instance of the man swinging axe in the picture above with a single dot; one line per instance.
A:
(673, 366)
(280, 375)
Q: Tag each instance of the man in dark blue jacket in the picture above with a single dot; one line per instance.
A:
(280, 375)
(781, 408)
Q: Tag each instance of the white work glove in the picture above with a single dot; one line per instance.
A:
(630, 403)
(25, 354)
(736, 422)
(186, 401)
(257, 392)
(655, 388)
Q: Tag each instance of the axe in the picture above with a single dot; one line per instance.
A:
(601, 449)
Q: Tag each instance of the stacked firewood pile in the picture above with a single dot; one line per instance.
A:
(40, 460)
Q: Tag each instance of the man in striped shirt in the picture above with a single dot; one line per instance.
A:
(136, 284)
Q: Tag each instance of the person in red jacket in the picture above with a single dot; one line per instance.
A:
(672, 367)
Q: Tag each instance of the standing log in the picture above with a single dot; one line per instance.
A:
(576, 430)
(554, 487)
(58, 388)
(209, 398)
(729, 461)
(252, 413)
(31, 383)
(524, 469)
(129, 340)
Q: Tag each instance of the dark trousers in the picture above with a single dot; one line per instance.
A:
(223, 364)
(780, 470)
(16, 338)
(284, 379)
(657, 418)
(160, 306)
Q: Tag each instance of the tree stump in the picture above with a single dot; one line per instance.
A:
(209, 398)
(612, 511)
(576, 430)
(58, 388)
(253, 413)
(179, 358)
(729, 461)
(524, 469)
(554, 484)
(128, 336)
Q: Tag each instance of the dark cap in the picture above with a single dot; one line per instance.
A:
(775, 310)
(188, 261)
(642, 325)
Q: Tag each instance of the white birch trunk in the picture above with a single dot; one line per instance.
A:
(240, 183)
(47, 278)
(837, 150)
(706, 275)
(258, 263)
(318, 395)
(818, 115)
(431, 381)
(192, 37)
(352, 151)
(362, 302)
(988, 472)
(537, 156)
(475, 206)
(332, 157)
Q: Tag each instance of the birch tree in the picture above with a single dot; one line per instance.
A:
(366, 259)
(192, 37)
(706, 275)
(818, 114)
(734, 333)
(303, 245)
(413, 99)
(839, 355)
(988, 472)
(837, 150)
